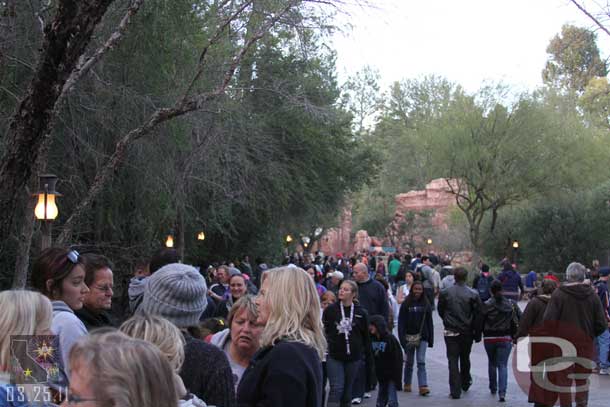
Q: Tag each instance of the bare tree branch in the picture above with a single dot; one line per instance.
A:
(591, 16)
(183, 106)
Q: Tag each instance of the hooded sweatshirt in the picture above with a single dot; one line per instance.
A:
(69, 328)
(136, 292)
(533, 315)
(387, 353)
(579, 305)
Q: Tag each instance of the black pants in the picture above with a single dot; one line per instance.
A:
(458, 355)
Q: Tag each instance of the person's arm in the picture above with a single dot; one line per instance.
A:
(430, 327)
(400, 295)
(600, 324)
(527, 319)
(442, 306)
(368, 352)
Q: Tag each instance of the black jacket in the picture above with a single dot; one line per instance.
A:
(387, 353)
(458, 306)
(93, 321)
(533, 315)
(359, 338)
(374, 298)
(410, 320)
(207, 374)
(286, 374)
(495, 320)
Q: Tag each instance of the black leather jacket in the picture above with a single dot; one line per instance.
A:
(496, 317)
(458, 307)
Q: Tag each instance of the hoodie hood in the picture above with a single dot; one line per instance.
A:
(379, 322)
(60, 306)
(221, 338)
(136, 287)
(580, 291)
(544, 298)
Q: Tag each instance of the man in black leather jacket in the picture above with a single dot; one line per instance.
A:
(458, 307)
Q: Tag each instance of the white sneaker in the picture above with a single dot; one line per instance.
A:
(367, 396)
(356, 400)
(603, 372)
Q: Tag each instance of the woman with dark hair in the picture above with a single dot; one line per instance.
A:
(499, 322)
(59, 274)
(346, 325)
(415, 318)
(238, 288)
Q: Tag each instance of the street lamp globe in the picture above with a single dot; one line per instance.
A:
(169, 242)
(46, 208)
(288, 238)
(201, 236)
(515, 244)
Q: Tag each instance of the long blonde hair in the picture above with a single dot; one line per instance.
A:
(126, 372)
(294, 309)
(23, 313)
(161, 333)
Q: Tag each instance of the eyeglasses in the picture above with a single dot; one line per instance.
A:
(104, 288)
(72, 400)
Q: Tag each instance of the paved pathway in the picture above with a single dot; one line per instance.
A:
(478, 395)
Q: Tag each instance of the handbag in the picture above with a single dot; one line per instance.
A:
(413, 341)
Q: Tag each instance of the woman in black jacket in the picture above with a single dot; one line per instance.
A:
(287, 371)
(500, 318)
(346, 325)
(415, 317)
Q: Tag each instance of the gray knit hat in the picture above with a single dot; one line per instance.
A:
(176, 292)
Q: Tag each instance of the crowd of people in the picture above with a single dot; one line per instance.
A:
(316, 331)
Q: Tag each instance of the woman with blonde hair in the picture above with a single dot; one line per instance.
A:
(169, 340)
(111, 369)
(288, 368)
(23, 313)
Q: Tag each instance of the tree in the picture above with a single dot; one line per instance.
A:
(234, 166)
(493, 156)
(574, 60)
(361, 98)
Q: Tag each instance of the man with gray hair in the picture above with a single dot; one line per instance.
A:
(575, 314)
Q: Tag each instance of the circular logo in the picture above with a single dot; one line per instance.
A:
(554, 362)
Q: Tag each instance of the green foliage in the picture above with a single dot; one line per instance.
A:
(556, 231)
(574, 59)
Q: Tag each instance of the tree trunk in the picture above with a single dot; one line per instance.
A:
(65, 40)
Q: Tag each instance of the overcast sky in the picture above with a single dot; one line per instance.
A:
(468, 42)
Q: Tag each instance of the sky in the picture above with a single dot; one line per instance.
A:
(468, 42)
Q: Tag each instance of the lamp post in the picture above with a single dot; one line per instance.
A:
(515, 250)
(46, 209)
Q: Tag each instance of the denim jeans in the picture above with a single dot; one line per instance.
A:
(420, 352)
(602, 344)
(497, 365)
(458, 355)
(360, 384)
(387, 395)
(341, 376)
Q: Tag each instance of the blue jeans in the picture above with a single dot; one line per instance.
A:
(387, 395)
(341, 376)
(498, 354)
(422, 379)
(602, 344)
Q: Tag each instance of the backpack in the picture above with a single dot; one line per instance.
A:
(483, 286)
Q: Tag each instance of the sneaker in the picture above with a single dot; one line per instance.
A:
(466, 386)
(424, 391)
(454, 397)
(501, 399)
(407, 388)
(356, 400)
(603, 371)
(367, 395)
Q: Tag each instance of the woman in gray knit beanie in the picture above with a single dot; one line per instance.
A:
(177, 292)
